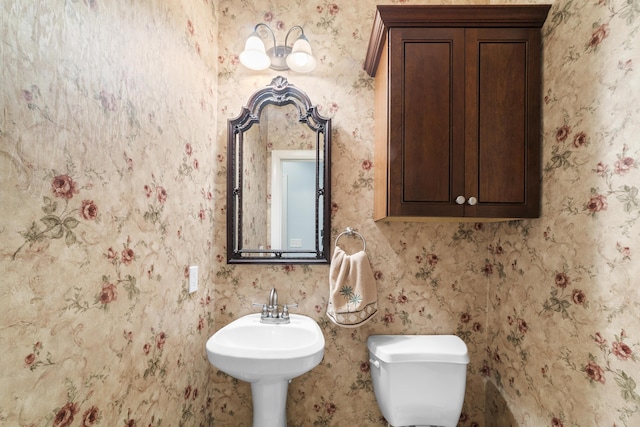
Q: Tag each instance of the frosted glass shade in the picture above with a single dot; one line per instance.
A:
(254, 56)
(300, 59)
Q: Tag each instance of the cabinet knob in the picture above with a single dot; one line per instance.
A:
(472, 201)
(460, 200)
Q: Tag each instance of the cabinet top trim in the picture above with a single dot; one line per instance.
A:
(390, 16)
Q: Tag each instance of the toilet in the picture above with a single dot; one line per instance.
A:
(419, 380)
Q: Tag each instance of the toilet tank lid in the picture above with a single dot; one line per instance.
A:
(418, 348)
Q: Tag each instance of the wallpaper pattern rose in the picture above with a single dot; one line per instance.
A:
(547, 306)
(107, 158)
(113, 179)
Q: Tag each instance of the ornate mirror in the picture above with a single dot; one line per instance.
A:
(278, 179)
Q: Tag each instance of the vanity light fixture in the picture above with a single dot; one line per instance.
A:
(279, 58)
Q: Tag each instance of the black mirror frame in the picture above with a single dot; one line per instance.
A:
(279, 92)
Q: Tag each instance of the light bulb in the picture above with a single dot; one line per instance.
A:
(300, 59)
(254, 56)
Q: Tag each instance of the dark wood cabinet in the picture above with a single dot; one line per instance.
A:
(457, 111)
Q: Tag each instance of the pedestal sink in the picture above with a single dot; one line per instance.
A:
(268, 356)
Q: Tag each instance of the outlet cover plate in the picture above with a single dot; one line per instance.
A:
(193, 279)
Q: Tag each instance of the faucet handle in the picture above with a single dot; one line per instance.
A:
(285, 310)
(265, 310)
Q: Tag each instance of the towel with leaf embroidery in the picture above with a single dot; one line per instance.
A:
(353, 296)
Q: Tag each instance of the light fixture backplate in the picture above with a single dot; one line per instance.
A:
(278, 55)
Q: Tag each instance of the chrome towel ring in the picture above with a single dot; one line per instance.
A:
(352, 233)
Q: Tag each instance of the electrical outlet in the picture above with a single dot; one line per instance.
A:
(193, 279)
(295, 243)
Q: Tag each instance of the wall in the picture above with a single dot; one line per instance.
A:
(546, 306)
(107, 156)
(430, 278)
(564, 332)
(110, 189)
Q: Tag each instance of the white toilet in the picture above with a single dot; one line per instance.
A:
(419, 380)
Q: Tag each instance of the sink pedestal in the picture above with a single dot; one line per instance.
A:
(269, 403)
(268, 356)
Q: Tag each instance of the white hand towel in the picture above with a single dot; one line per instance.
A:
(353, 296)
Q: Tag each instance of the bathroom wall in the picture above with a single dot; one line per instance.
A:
(107, 163)
(563, 301)
(429, 277)
(112, 169)
(548, 307)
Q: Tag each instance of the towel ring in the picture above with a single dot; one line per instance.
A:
(351, 232)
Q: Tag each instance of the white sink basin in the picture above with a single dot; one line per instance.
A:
(253, 351)
(267, 356)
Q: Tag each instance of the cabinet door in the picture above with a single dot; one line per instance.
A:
(502, 130)
(426, 122)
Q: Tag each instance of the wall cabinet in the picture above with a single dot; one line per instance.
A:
(457, 111)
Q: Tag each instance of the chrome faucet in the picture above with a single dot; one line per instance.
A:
(273, 302)
(270, 312)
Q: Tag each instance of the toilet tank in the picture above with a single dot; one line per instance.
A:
(419, 379)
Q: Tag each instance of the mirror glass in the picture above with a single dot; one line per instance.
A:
(278, 208)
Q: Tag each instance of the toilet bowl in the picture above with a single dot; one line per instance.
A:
(419, 380)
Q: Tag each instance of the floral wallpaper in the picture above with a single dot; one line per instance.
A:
(107, 162)
(547, 307)
(113, 178)
(563, 300)
(254, 192)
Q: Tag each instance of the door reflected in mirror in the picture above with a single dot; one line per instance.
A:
(293, 204)
(278, 195)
